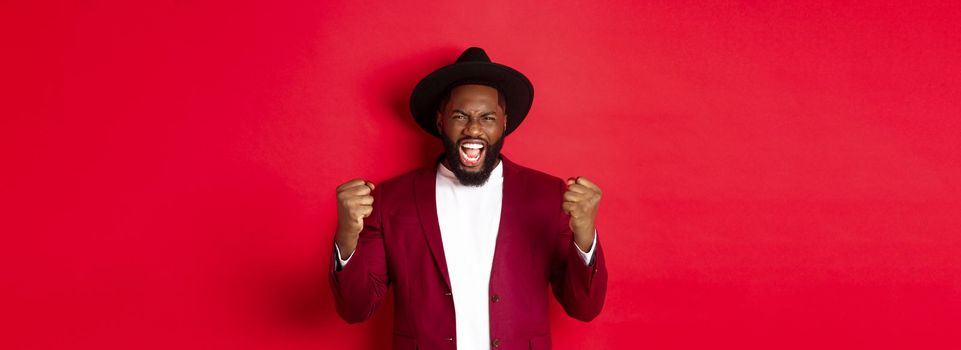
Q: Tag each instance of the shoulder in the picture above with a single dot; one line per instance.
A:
(535, 175)
(398, 194)
(532, 177)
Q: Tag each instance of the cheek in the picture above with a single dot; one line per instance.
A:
(451, 130)
(496, 131)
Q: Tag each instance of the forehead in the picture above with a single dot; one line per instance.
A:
(472, 94)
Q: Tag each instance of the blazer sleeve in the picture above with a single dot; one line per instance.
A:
(578, 287)
(360, 286)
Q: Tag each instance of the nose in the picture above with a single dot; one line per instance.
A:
(473, 128)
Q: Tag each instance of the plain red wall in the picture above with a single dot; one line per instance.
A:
(776, 175)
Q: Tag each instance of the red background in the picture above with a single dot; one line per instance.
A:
(776, 175)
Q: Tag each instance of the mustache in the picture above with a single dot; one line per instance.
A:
(471, 139)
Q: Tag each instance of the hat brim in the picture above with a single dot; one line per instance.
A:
(515, 87)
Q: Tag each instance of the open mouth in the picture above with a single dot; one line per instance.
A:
(472, 153)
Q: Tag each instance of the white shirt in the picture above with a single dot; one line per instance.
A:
(469, 218)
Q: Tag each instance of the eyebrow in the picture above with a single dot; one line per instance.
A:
(465, 113)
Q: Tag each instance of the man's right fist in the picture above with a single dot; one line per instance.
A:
(354, 203)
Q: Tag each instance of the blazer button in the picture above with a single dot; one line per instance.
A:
(495, 298)
(447, 294)
(450, 339)
(496, 343)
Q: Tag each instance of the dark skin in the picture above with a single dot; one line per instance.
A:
(471, 114)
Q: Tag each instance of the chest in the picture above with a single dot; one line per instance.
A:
(469, 220)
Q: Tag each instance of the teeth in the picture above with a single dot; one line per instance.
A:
(464, 154)
(473, 145)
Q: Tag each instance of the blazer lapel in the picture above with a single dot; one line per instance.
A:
(510, 201)
(426, 199)
(425, 196)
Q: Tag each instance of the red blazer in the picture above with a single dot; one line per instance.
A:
(401, 246)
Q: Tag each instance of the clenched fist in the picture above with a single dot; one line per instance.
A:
(354, 203)
(580, 201)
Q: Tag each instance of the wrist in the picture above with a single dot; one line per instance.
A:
(346, 231)
(346, 235)
(585, 229)
(584, 238)
(345, 246)
(343, 236)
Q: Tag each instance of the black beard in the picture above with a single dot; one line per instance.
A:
(452, 153)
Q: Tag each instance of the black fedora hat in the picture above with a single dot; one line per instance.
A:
(472, 67)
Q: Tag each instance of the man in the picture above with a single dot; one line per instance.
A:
(472, 243)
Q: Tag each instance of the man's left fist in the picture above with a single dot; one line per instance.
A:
(580, 201)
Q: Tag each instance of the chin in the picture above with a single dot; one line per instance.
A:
(472, 176)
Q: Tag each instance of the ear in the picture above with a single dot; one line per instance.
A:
(439, 118)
